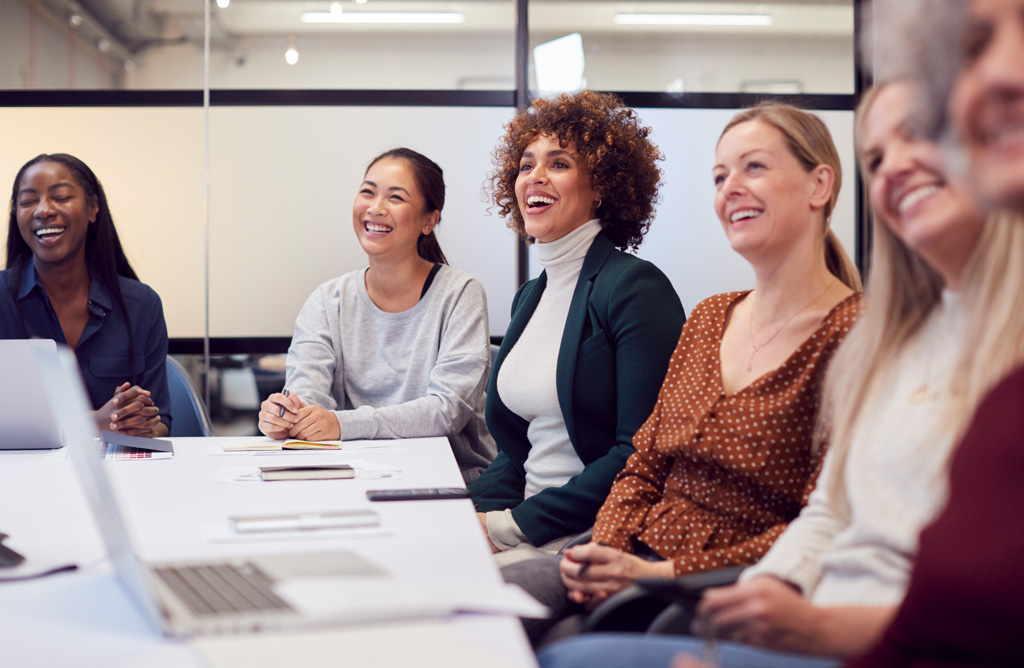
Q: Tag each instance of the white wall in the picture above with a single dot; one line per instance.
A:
(283, 180)
(150, 162)
(282, 183)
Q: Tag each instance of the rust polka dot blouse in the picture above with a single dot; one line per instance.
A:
(716, 478)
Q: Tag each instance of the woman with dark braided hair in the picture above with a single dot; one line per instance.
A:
(67, 279)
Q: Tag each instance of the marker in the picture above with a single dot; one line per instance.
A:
(280, 413)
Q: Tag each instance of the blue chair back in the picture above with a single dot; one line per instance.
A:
(187, 408)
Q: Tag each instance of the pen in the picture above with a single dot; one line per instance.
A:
(586, 564)
(280, 413)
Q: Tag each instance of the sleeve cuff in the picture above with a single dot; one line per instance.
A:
(804, 574)
(503, 530)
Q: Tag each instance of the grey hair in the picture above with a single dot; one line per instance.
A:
(917, 40)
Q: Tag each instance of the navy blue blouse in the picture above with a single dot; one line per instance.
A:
(102, 350)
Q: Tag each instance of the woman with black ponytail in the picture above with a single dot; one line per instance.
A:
(67, 279)
(400, 349)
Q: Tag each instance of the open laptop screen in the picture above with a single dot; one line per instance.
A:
(28, 420)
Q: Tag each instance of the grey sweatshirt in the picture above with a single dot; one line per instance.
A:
(418, 373)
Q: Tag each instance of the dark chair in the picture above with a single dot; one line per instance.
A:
(187, 408)
(658, 606)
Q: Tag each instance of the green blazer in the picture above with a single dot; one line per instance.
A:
(623, 324)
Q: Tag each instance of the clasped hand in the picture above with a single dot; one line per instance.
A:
(309, 423)
(593, 572)
(762, 611)
(130, 411)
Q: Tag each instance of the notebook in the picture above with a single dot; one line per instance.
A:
(27, 420)
(195, 597)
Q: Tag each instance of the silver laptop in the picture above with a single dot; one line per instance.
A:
(187, 598)
(27, 420)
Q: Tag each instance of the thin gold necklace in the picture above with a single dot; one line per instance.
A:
(754, 347)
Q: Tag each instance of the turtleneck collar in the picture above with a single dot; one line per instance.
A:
(572, 246)
(563, 258)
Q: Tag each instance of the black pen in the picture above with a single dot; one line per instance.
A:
(280, 413)
(586, 564)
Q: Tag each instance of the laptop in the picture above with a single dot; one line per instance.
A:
(27, 419)
(190, 598)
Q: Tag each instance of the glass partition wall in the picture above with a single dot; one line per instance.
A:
(235, 205)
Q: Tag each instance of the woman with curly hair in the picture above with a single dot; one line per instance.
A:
(589, 341)
(726, 459)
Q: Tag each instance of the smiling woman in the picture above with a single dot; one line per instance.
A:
(579, 368)
(68, 279)
(398, 350)
(725, 459)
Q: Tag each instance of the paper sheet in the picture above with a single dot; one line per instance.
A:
(213, 532)
(384, 597)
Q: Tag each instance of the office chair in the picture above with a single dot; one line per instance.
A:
(187, 409)
(657, 606)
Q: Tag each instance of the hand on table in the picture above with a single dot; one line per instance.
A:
(131, 411)
(593, 572)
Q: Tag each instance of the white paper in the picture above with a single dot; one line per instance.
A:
(390, 597)
(213, 532)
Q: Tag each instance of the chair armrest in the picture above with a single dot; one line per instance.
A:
(643, 606)
(581, 539)
(632, 609)
(682, 595)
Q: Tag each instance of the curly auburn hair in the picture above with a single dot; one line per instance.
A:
(612, 147)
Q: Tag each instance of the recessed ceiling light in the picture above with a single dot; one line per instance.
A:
(384, 17)
(694, 19)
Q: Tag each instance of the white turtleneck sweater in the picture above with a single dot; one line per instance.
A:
(526, 380)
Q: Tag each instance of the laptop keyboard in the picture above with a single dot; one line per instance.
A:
(222, 589)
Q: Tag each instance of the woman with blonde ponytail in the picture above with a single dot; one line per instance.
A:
(725, 460)
(942, 326)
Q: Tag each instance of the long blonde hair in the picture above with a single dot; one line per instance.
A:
(811, 143)
(902, 291)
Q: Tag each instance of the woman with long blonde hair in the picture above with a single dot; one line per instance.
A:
(940, 329)
(725, 460)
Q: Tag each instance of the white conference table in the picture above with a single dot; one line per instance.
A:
(173, 507)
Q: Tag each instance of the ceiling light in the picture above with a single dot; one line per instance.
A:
(103, 45)
(291, 56)
(336, 8)
(223, 4)
(361, 2)
(74, 20)
(694, 19)
(384, 17)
